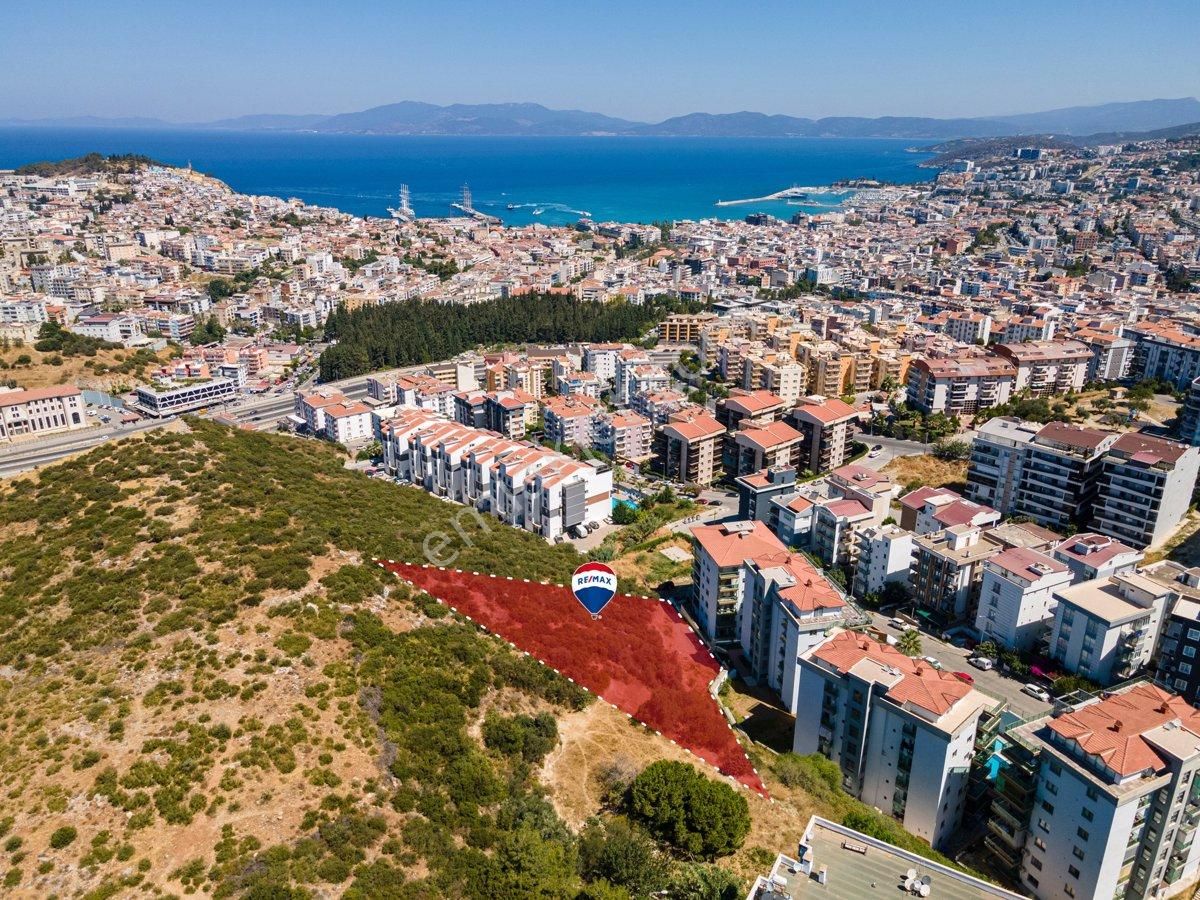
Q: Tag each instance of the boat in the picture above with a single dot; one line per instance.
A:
(511, 206)
(538, 212)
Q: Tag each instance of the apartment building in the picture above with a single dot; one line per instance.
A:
(948, 570)
(684, 328)
(1102, 800)
(826, 424)
(509, 412)
(523, 485)
(757, 490)
(1047, 368)
(884, 557)
(751, 449)
(1016, 597)
(902, 732)
(624, 436)
(749, 408)
(1189, 415)
(1106, 630)
(997, 456)
(571, 420)
(659, 406)
(422, 391)
(968, 327)
(688, 447)
(1178, 650)
(959, 387)
(601, 360)
(1057, 480)
(40, 411)
(1090, 556)
(718, 576)
(932, 509)
(785, 378)
(348, 424)
(1144, 489)
(1163, 350)
(626, 370)
(787, 608)
(586, 383)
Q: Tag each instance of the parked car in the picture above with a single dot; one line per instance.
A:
(897, 622)
(982, 663)
(1037, 692)
(965, 676)
(933, 662)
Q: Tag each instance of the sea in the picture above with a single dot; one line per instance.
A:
(553, 180)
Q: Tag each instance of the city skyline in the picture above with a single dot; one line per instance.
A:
(639, 63)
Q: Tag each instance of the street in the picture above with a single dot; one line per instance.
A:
(954, 659)
(22, 456)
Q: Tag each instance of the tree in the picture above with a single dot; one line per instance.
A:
(698, 881)
(207, 332)
(699, 817)
(624, 514)
(952, 450)
(527, 865)
(622, 855)
(909, 643)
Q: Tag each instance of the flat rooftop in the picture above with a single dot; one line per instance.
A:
(879, 872)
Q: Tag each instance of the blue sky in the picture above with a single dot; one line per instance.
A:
(189, 61)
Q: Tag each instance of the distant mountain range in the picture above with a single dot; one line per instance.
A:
(532, 119)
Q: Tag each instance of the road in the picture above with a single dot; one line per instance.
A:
(954, 659)
(892, 449)
(25, 455)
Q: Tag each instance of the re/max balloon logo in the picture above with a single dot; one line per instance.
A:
(594, 585)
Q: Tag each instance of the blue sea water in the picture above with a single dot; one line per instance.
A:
(550, 180)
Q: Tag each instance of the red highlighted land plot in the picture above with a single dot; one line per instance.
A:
(640, 656)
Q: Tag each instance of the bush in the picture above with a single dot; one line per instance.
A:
(700, 817)
(63, 837)
(530, 737)
(622, 855)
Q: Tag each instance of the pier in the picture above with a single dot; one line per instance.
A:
(467, 208)
(792, 193)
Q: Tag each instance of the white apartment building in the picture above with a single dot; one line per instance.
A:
(1115, 798)
(902, 732)
(348, 424)
(40, 411)
(1047, 368)
(523, 485)
(570, 420)
(625, 436)
(601, 360)
(1107, 630)
(884, 556)
(1016, 597)
(998, 453)
(630, 366)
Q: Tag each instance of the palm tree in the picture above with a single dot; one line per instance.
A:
(910, 643)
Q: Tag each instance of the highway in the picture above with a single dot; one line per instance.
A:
(25, 455)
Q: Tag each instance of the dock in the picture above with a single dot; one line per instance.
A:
(467, 208)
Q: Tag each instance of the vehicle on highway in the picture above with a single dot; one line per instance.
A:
(933, 662)
(965, 676)
(1037, 692)
(982, 662)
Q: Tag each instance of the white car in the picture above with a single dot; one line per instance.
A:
(982, 663)
(899, 623)
(933, 662)
(1037, 692)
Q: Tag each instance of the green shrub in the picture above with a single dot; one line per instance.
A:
(63, 837)
(700, 817)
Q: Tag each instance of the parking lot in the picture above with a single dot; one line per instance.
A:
(954, 659)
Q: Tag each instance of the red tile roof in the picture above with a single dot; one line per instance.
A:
(1113, 729)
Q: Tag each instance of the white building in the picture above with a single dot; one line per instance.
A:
(902, 732)
(1107, 630)
(187, 398)
(40, 411)
(718, 576)
(1115, 802)
(1145, 488)
(884, 556)
(787, 608)
(1091, 556)
(1016, 597)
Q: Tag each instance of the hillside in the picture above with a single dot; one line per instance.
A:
(207, 686)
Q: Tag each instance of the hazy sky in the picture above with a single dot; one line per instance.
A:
(190, 61)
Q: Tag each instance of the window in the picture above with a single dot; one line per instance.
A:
(1087, 814)
(1076, 852)
(1031, 879)
(1185, 668)
(1093, 794)
(1042, 825)
(1055, 768)
(1039, 843)
(1194, 634)
(1181, 684)
(1048, 807)
(1035, 862)
(1072, 871)
(1189, 651)
(1068, 890)
(1082, 832)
